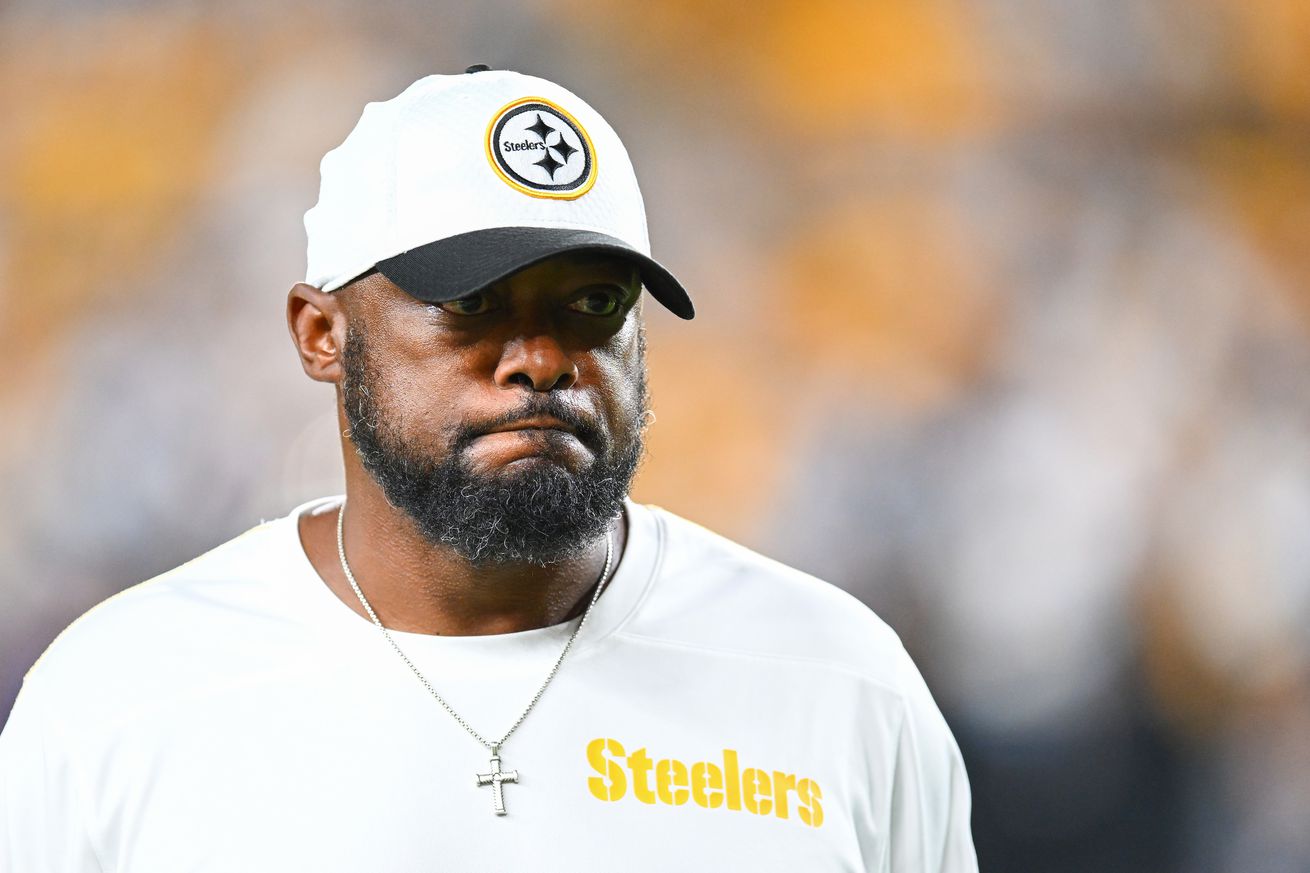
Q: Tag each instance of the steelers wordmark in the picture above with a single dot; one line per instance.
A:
(541, 150)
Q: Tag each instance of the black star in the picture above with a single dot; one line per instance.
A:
(549, 164)
(565, 150)
(541, 128)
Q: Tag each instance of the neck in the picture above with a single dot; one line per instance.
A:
(419, 587)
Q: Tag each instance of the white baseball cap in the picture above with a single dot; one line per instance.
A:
(462, 180)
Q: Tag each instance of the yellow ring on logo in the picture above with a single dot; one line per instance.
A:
(531, 192)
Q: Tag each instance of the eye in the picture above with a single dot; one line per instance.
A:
(601, 301)
(473, 304)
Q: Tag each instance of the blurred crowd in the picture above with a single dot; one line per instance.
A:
(1004, 326)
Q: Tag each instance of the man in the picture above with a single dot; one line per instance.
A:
(484, 656)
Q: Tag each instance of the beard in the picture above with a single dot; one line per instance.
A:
(541, 515)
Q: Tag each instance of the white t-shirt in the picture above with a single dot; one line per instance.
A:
(720, 711)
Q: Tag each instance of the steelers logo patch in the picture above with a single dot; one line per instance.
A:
(541, 150)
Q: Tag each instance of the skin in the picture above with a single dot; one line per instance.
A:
(442, 366)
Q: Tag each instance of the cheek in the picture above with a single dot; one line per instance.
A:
(422, 391)
(615, 371)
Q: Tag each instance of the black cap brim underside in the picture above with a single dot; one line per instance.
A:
(457, 266)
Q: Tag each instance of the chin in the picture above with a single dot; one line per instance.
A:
(539, 467)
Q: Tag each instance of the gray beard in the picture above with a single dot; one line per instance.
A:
(539, 516)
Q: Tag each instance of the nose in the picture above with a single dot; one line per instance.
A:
(536, 362)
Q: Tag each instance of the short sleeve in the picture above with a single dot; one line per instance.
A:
(931, 802)
(42, 819)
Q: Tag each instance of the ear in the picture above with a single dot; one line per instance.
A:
(317, 321)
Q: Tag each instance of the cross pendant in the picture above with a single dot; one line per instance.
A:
(495, 778)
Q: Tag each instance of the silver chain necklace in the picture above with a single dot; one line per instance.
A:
(497, 776)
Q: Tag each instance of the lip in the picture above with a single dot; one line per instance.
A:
(541, 422)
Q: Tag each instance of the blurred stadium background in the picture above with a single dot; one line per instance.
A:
(1004, 320)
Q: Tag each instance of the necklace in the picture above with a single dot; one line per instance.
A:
(497, 777)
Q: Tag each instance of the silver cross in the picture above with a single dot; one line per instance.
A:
(495, 778)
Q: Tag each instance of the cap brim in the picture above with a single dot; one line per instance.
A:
(461, 265)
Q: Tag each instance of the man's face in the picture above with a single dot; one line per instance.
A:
(507, 424)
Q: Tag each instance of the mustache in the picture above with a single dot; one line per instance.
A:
(586, 428)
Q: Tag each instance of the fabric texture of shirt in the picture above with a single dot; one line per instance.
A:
(719, 711)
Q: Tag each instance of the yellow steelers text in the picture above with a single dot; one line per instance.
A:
(707, 784)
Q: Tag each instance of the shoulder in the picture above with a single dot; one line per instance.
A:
(718, 594)
(720, 597)
(135, 638)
